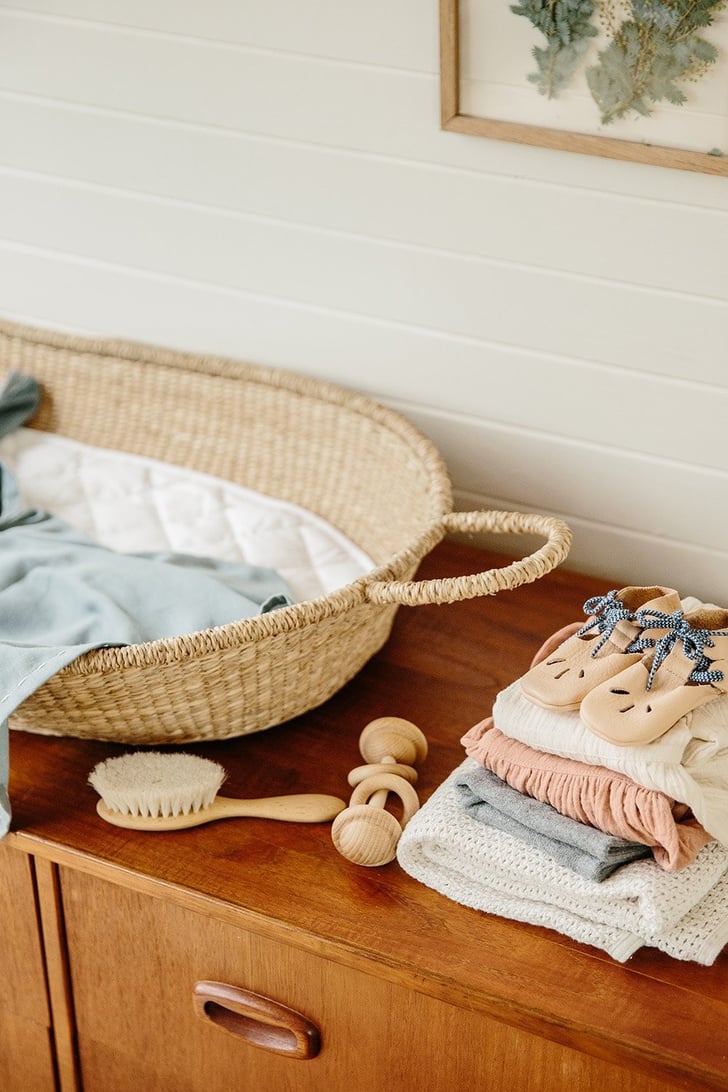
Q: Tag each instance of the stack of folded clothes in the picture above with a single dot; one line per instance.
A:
(594, 800)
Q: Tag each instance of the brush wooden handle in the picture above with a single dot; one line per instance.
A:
(303, 808)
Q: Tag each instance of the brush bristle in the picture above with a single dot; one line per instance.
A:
(155, 784)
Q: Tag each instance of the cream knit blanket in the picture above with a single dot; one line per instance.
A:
(689, 763)
(684, 914)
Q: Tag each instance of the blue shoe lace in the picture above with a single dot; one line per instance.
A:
(694, 642)
(607, 611)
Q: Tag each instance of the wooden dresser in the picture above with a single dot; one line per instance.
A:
(108, 934)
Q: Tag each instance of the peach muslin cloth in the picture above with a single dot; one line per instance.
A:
(602, 798)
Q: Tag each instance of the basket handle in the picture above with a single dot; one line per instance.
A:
(415, 593)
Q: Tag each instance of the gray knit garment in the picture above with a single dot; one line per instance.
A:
(588, 851)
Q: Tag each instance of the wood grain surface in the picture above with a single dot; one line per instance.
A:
(662, 1020)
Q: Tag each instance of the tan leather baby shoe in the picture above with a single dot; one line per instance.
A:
(687, 668)
(613, 638)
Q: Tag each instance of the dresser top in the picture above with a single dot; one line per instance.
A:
(441, 668)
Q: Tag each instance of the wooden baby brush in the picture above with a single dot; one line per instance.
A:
(364, 832)
(152, 791)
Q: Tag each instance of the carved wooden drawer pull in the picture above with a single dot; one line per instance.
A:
(257, 1019)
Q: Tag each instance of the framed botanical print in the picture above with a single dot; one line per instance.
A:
(642, 80)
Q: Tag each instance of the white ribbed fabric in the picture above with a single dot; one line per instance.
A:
(689, 763)
(684, 914)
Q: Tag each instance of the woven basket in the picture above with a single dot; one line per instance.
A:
(356, 464)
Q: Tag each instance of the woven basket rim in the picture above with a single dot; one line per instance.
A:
(281, 378)
(298, 615)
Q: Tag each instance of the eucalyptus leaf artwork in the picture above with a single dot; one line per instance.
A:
(567, 27)
(653, 48)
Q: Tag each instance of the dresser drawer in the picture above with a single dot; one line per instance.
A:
(137, 961)
(26, 1053)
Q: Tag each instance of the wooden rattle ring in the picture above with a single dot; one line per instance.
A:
(359, 773)
(368, 835)
(365, 833)
(367, 788)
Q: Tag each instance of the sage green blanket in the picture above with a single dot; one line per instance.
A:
(61, 594)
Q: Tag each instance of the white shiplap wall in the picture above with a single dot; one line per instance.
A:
(268, 180)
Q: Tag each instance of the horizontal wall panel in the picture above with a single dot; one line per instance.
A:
(662, 499)
(396, 33)
(209, 83)
(270, 182)
(619, 555)
(386, 360)
(517, 221)
(300, 98)
(581, 318)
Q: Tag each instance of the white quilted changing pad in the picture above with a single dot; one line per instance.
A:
(132, 503)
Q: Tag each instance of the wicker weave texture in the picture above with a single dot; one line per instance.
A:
(358, 465)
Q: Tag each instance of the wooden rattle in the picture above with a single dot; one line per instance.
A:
(364, 832)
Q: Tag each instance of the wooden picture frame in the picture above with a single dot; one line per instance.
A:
(460, 118)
